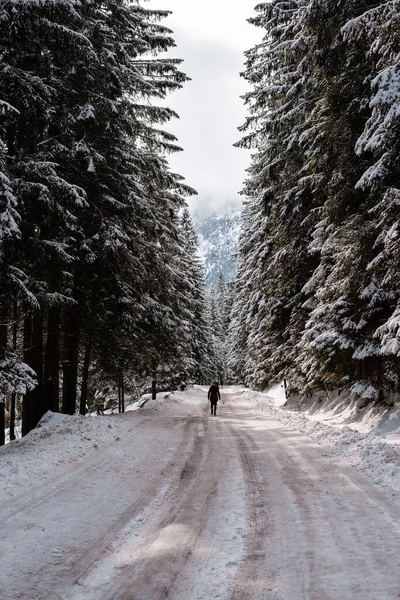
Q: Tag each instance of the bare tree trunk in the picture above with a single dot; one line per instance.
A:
(85, 378)
(122, 393)
(3, 350)
(70, 364)
(33, 406)
(14, 395)
(2, 423)
(12, 416)
(51, 381)
(154, 387)
(380, 379)
(27, 416)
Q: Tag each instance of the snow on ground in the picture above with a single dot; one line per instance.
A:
(169, 501)
(370, 442)
(61, 439)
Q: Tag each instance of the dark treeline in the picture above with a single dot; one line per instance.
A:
(318, 290)
(99, 276)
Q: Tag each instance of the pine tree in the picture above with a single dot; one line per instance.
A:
(99, 234)
(30, 37)
(252, 253)
(275, 263)
(309, 295)
(202, 357)
(378, 145)
(133, 200)
(337, 347)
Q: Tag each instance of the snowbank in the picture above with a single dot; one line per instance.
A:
(57, 440)
(147, 397)
(277, 394)
(64, 440)
(50, 419)
(367, 439)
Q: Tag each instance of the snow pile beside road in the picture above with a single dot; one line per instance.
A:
(147, 397)
(64, 440)
(59, 439)
(277, 394)
(51, 419)
(376, 457)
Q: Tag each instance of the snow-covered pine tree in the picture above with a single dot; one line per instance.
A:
(213, 358)
(253, 250)
(202, 356)
(307, 306)
(337, 347)
(130, 221)
(217, 334)
(220, 305)
(28, 84)
(379, 146)
(279, 191)
(168, 334)
(99, 207)
(15, 376)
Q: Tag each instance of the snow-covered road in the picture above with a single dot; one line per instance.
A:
(186, 506)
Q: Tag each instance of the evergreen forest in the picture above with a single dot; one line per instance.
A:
(318, 287)
(101, 287)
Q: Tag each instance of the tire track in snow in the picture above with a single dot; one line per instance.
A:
(331, 535)
(317, 529)
(98, 549)
(75, 562)
(340, 536)
(253, 580)
(161, 557)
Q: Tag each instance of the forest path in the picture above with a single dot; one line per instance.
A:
(189, 506)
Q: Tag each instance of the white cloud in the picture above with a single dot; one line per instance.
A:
(211, 37)
(223, 20)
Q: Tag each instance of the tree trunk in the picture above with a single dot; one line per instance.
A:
(122, 393)
(14, 395)
(27, 416)
(52, 362)
(33, 405)
(12, 416)
(2, 423)
(136, 390)
(70, 364)
(85, 378)
(3, 350)
(154, 388)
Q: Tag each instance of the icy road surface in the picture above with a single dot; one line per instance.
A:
(185, 506)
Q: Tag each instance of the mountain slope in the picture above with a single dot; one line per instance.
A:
(218, 242)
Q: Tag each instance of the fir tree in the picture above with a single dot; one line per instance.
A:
(378, 145)
(99, 234)
(310, 299)
(337, 347)
(202, 357)
(274, 262)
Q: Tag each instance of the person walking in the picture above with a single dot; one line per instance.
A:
(214, 396)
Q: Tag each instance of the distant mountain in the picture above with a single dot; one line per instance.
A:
(218, 243)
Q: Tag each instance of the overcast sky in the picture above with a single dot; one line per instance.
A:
(211, 36)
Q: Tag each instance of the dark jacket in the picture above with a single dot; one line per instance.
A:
(213, 394)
